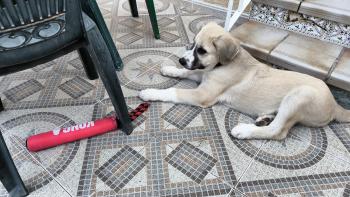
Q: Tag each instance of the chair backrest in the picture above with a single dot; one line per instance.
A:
(26, 22)
(15, 13)
(18, 13)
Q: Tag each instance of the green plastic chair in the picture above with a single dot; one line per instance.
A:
(151, 12)
(91, 8)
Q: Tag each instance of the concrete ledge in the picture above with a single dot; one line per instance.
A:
(296, 52)
(287, 4)
(259, 39)
(305, 54)
(340, 77)
(334, 10)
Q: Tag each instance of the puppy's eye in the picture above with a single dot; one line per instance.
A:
(201, 51)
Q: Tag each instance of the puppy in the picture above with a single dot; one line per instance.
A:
(228, 73)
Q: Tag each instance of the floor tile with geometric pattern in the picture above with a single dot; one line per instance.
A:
(174, 150)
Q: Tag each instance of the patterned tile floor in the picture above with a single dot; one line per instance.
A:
(175, 150)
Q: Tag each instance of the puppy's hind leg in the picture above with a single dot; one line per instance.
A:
(288, 114)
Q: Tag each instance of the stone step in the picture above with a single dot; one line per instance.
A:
(285, 17)
(340, 77)
(286, 4)
(334, 10)
(296, 52)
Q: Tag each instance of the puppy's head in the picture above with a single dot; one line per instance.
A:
(212, 47)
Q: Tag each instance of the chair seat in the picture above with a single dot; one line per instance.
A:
(26, 44)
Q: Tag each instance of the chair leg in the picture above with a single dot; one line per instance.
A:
(88, 63)
(153, 17)
(133, 8)
(8, 173)
(104, 66)
(91, 8)
(1, 106)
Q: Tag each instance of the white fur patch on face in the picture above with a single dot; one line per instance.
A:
(189, 56)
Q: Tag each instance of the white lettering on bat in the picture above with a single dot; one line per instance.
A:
(57, 131)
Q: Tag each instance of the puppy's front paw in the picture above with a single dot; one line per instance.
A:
(149, 95)
(170, 71)
(168, 95)
(243, 131)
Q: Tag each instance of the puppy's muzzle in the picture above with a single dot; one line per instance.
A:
(182, 61)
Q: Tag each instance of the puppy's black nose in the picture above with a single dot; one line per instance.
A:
(182, 61)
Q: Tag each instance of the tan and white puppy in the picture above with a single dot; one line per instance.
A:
(228, 73)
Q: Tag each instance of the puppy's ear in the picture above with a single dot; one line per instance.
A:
(226, 48)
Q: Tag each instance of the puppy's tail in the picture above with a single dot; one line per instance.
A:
(342, 115)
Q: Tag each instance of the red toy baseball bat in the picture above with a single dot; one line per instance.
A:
(61, 136)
